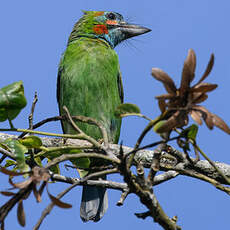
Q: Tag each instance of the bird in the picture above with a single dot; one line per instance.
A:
(89, 84)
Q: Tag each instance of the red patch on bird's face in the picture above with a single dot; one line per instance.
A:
(99, 13)
(100, 29)
(111, 22)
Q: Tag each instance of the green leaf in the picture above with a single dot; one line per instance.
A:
(126, 109)
(12, 101)
(38, 161)
(158, 126)
(10, 163)
(190, 132)
(83, 162)
(19, 150)
(82, 172)
(31, 142)
(55, 169)
(50, 157)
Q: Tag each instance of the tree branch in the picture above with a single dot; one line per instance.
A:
(144, 156)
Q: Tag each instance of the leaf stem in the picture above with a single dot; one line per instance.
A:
(76, 136)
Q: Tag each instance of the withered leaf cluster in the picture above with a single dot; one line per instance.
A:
(177, 104)
(36, 176)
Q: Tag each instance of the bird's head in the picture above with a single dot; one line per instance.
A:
(106, 25)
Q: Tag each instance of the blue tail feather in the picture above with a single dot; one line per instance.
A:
(94, 203)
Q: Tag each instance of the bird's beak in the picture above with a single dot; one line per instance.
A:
(131, 30)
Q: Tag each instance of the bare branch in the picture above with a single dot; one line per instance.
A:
(31, 116)
(123, 197)
(164, 177)
(145, 156)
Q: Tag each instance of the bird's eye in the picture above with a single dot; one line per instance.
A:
(111, 16)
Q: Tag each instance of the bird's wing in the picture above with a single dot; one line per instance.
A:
(60, 70)
(120, 86)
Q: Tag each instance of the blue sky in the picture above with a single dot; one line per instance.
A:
(33, 37)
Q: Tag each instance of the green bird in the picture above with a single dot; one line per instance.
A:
(89, 84)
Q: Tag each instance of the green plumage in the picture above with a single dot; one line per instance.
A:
(90, 85)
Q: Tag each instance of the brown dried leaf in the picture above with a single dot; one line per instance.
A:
(204, 87)
(58, 202)
(196, 116)
(191, 62)
(36, 194)
(218, 122)
(169, 84)
(206, 115)
(6, 193)
(165, 97)
(208, 69)
(199, 97)
(22, 184)
(10, 173)
(162, 105)
(21, 214)
(188, 72)
(41, 189)
(192, 57)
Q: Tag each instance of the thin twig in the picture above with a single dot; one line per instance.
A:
(141, 137)
(76, 136)
(7, 153)
(180, 168)
(157, 143)
(84, 119)
(93, 121)
(61, 150)
(2, 158)
(31, 116)
(40, 123)
(133, 151)
(136, 114)
(74, 125)
(143, 215)
(101, 183)
(84, 135)
(212, 163)
(65, 157)
(98, 174)
(161, 178)
(164, 177)
(123, 197)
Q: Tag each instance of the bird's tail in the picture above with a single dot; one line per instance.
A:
(94, 203)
